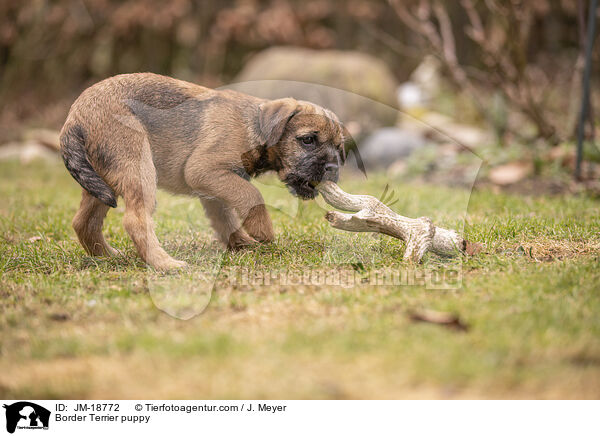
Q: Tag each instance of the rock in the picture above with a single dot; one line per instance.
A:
(27, 151)
(356, 86)
(469, 135)
(424, 84)
(427, 75)
(411, 96)
(46, 137)
(442, 128)
(386, 146)
(510, 173)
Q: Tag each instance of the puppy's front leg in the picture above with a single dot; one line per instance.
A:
(230, 193)
(258, 223)
(226, 224)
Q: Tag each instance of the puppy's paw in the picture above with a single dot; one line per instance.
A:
(178, 264)
(258, 224)
(113, 252)
(102, 249)
(239, 240)
(169, 264)
(262, 235)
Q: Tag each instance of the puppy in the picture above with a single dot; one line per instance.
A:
(129, 134)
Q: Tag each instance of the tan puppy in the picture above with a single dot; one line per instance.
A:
(130, 133)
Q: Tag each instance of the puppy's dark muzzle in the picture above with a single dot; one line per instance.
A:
(332, 172)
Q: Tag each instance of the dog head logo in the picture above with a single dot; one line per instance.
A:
(26, 415)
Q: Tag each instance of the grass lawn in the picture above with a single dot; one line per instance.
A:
(72, 326)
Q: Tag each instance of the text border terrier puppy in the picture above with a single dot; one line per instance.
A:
(129, 134)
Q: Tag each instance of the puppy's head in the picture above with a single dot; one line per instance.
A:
(305, 143)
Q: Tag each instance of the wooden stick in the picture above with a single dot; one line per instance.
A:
(372, 215)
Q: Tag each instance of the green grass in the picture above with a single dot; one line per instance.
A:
(72, 326)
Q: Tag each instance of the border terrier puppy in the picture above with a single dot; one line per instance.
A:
(129, 134)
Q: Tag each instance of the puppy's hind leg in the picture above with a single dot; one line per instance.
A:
(140, 201)
(88, 225)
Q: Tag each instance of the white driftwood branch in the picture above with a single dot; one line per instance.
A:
(372, 215)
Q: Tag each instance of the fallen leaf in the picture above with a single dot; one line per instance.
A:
(473, 248)
(446, 319)
(59, 316)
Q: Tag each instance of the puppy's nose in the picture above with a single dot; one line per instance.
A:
(331, 172)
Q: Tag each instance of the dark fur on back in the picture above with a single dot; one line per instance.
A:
(73, 151)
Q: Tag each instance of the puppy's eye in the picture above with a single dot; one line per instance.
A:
(308, 139)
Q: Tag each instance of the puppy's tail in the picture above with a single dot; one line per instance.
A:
(72, 148)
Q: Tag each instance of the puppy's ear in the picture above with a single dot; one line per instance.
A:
(273, 117)
(349, 145)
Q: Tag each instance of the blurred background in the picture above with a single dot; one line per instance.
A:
(500, 77)
(439, 95)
